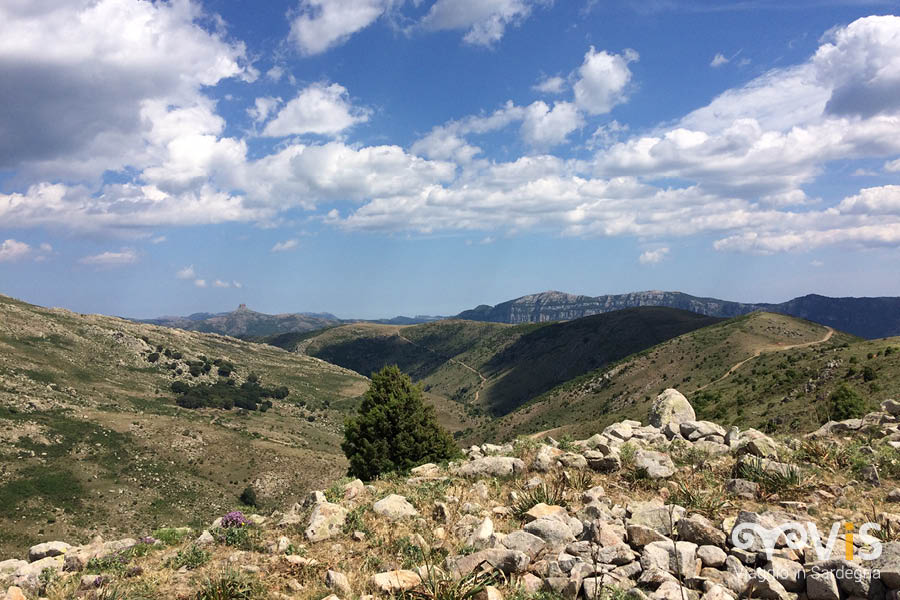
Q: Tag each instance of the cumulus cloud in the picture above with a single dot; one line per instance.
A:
(603, 80)
(90, 68)
(13, 250)
(652, 257)
(322, 24)
(545, 127)
(551, 85)
(262, 108)
(200, 283)
(111, 259)
(485, 20)
(285, 245)
(321, 109)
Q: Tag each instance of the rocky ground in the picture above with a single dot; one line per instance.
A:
(676, 509)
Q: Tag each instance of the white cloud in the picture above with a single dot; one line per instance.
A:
(486, 20)
(13, 250)
(603, 80)
(892, 166)
(718, 60)
(186, 273)
(221, 284)
(816, 263)
(285, 245)
(322, 24)
(551, 85)
(45, 247)
(262, 108)
(320, 109)
(873, 201)
(652, 257)
(200, 283)
(237, 284)
(90, 67)
(545, 127)
(158, 239)
(111, 259)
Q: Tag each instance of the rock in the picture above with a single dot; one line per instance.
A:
(326, 521)
(354, 489)
(395, 582)
(619, 431)
(525, 542)
(482, 535)
(891, 407)
(657, 465)
(205, 539)
(606, 534)
(763, 447)
(894, 495)
(606, 464)
(701, 531)
(547, 511)
(505, 560)
(338, 582)
(572, 460)
(91, 582)
(697, 430)
(553, 531)
(711, 556)
(426, 470)
(491, 466)
(47, 549)
(395, 507)
(717, 592)
(14, 593)
(593, 494)
(679, 558)
(656, 516)
(545, 458)
(489, 593)
(671, 407)
(640, 535)
(8, 567)
(672, 590)
(822, 585)
(742, 488)
(530, 583)
(765, 586)
(788, 573)
(28, 576)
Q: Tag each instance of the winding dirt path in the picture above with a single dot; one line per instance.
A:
(773, 348)
(483, 379)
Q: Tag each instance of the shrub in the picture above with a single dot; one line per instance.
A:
(153, 357)
(846, 404)
(192, 557)
(230, 585)
(394, 429)
(869, 374)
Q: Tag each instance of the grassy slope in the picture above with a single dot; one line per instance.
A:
(517, 362)
(91, 441)
(781, 390)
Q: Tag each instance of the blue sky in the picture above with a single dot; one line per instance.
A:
(381, 157)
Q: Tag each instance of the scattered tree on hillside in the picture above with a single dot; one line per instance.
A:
(394, 429)
(846, 404)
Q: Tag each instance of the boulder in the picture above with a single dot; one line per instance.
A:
(505, 560)
(701, 531)
(697, 430)
(657, 465)
(395, 582)
(822, 585)
(679, 558)
(395, 507)
(547, 511)
(891, 407)
(711, 556)
(491, 466)
(14, 593)
(338, 582)
(47, 549)
(553, 531)
(671, 407)
(525, 542)
(788, 573)
(765, 586)
(661, 518)
(482, 535)
(326, 521)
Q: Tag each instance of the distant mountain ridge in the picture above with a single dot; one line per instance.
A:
(246, 323)
(865, 317)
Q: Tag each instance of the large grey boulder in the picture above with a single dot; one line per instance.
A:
(657, 465)
(671, 407)
(765, 586)
(491, 466)
(788, 573)
(505, 560)
(326, 521)
(701, 531)
(891, 407)
(47, 549)
(661, 518)
(822, 585)
(395, 507)
(552, 531)
(525, 542)
(679, 558)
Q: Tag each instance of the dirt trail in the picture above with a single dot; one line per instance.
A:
(450, 360)
(773, 348)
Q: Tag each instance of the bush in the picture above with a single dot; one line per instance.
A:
(230, 585)
(846, 404)
(153, 357)
(869, 374)
(192, 557)
(394, 429)
(248, 497)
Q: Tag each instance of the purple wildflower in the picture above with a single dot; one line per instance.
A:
(234, 519)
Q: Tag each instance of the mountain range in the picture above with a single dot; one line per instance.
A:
(865, 317)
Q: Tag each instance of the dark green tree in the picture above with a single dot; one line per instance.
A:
(846, 404)
(394, 429)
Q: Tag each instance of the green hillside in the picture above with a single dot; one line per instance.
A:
(764, 370)
(478, 371)
(90, 432)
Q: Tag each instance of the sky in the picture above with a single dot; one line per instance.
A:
(372, 158)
